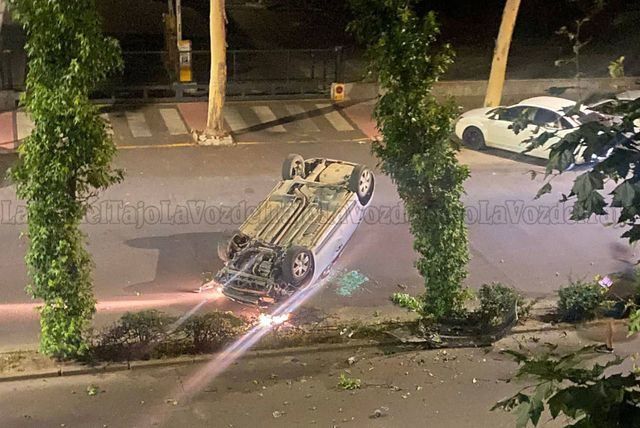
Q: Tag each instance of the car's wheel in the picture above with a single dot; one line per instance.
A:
(293, 166)
(227, 248)
(298, 266)
(362, 183)
(473, 138)
(223, 251)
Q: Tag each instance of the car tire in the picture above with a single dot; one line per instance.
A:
(293, 166)
(298, 266)
(362, 182)
(227, 248)
(224, 252)
(473, 138)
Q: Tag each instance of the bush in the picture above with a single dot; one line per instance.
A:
(133, 336)
(580, 301)
(209, 332)
(497, 302)
(151, 334)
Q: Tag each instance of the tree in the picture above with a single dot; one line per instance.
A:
(501, 54)
(613, 181)
(64, 162)
(575, 35)
(416, 150)
(589, 397)
(218, 78)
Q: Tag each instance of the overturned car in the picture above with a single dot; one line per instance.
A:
(297, 232)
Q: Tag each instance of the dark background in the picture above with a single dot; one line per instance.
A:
(470, 26)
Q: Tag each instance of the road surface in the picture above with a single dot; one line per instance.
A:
(154, 236)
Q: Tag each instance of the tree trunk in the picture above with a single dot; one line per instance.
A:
(218, 79)
(501, 54)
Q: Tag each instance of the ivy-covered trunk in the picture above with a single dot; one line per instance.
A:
(416, 150)
(65, 161)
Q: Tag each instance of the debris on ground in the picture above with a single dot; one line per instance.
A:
(380, 412)
(93, 390)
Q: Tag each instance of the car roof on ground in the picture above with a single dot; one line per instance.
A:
(552, 103)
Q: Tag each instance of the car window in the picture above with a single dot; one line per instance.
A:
(565, 124)
(509, 114)
(544, 117)
(607, 107)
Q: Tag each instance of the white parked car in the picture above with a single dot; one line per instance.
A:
(294, 236)
(608, 107)
(492, 126)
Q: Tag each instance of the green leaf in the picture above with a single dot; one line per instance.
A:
(634, 322)
(632, 234)
(546, 188)
(623, 195)
(586, 183)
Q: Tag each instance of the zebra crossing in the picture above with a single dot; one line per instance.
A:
(291, 121)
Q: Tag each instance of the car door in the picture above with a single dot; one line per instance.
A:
(500, 129)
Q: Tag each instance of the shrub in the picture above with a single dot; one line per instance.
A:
(497, 302)
(580, 300)
(153, 334)
(146, 326)
(209, 332)
(133, 336)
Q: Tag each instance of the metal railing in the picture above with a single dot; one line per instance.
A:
(250, 72)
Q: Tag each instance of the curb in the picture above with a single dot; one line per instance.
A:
(79, 370)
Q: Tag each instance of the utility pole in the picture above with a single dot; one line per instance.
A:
(501, 54)
(218, 78)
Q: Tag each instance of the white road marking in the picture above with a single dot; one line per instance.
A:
(138, 124)
(233, 118)
(265, 115)
(306, 124)
(25, 125)
(336, 119)
(173, 121)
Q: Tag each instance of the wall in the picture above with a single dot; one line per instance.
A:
(514, 90)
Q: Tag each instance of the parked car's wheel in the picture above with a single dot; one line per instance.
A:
(362, 182)
(298, 266)
(473, 138)
(293, 166)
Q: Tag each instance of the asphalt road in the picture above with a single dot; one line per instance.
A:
(153, 236)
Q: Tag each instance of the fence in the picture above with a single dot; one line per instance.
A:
(252, 72)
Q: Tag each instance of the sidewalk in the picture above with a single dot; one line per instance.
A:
(255, 122)
(434, 388)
